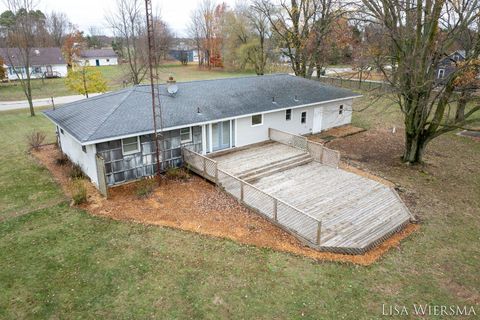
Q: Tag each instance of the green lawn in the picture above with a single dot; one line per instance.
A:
(115, 75)
(60, 262)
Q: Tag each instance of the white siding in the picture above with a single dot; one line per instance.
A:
(74, 151)
(60, 68)
(246, 134)
(102, 61)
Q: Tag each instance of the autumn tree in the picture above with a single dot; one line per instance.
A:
(301, 27)
(22, 24)
(85, 80)
(421, 36)
(72, 46)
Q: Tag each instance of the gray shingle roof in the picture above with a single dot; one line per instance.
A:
(128, 111)
(38, 56)
(98, 53)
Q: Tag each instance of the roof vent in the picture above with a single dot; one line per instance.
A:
(198, 110)
(273, 100)
(296, 98)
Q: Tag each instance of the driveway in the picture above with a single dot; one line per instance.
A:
(23, 104)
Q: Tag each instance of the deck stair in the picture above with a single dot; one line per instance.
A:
(256, 173)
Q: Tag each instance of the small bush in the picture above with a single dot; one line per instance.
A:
(35, 139)
(79, 191)
(177, 174)
(76, 172)
(61, 160)
(145, 187)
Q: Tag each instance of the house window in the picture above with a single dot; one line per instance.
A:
(304, 117)
(441, 73)
(84, 149)
(61, 131)
(340, 110)
(37, 69)
(130, 145)
(186, 134)
(108, 60)
(257, 120)
(288, 114)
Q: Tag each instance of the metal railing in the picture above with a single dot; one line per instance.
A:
(317, 151)
(291, 219)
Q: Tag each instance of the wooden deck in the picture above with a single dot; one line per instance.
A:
(356, 213)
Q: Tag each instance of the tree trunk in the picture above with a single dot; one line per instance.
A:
(414, 148)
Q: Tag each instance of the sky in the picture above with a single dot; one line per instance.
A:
(86, 13)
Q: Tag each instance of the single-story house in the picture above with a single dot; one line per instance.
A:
(97, 57)
(207, 116)
(44, 63)
(184, 50)
(449, 64)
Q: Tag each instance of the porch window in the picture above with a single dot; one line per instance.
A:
(288, 114)
(130, 145)
(340, 110)
(257, 120)
(84, 149)
(186, 134)
(304, 117)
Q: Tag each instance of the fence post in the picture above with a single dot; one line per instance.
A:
(204, 167)
(319, 228)
(216, 174)
(275, 209)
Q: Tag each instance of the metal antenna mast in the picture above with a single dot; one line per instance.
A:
(156, 107)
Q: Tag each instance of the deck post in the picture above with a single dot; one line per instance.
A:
(216, 174)
(204, 167)
(275, 209)
(319, 231)
(241, 190)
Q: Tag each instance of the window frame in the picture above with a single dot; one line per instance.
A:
(442, 71)
(303, 117)
(133, 151)
(256, 124)
(288, 114)
(190, 138)
(84, 149)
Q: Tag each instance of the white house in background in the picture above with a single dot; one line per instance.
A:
(98, 57)
(207, 116)
(44, 63)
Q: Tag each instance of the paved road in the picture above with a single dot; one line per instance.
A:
(23, 104)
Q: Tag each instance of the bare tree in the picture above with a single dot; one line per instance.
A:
(301, 27)
(421, 36)
(24, 25)
(195, 31)
(58, 27)
(128, 23)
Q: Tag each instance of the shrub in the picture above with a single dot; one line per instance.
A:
(145, 187)
(61, 160)
(35, 139)
(76, 172)
(177, 174)
(79, 191)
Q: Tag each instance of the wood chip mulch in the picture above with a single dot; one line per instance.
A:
(198, 206)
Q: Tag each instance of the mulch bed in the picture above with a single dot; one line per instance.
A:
(335, 133)
(198, 206)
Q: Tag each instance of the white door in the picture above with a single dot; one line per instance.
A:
(317, 120)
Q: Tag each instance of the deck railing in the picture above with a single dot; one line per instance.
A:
(317, 151)
(286, 216)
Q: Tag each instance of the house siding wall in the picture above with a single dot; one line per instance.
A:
(103, 61)
(60, 68)
(74, 151)
(248, 134)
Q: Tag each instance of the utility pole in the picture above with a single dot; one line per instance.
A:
(152, 60)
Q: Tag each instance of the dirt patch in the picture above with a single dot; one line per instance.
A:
(334, 133)
(198, 206)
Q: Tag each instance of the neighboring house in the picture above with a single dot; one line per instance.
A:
(208, 116)
(449, 64)
(44, 63)
(184, 50)
(97, 57)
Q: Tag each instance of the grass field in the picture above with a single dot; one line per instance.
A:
(114, 75)
(60, 262)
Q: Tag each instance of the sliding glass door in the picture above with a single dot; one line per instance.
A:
(221, 135)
